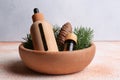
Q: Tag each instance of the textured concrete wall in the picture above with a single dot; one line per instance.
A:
(101, 15)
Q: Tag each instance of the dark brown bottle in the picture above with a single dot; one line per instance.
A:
(70, 42)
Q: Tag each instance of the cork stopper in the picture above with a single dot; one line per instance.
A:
(37, 16)
(71, 36)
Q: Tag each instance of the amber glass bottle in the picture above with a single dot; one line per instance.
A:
(70, 42)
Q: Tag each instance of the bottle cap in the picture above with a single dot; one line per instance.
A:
(37, 16)
(71, 36)
(36, 10)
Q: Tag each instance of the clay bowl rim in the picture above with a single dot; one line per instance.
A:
(56, 52)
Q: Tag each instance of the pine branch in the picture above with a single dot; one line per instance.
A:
(56, 30)
(28, 42)
(84, 35)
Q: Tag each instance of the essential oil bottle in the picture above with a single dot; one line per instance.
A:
(42, 33)
(70, 42)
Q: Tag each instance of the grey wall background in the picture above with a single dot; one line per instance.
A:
(101, 15)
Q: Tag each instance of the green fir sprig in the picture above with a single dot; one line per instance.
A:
(84, 37)
(28, 42)
(56, 30)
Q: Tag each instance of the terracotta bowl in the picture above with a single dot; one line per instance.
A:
(63, 62)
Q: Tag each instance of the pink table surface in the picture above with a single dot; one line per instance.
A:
(105, 65)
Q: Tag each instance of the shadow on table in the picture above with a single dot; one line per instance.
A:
(19, 68)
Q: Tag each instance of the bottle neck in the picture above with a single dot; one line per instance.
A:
(70, 41)
(37, 17)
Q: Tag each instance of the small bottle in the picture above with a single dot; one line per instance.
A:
(70, 42)
(42, 33)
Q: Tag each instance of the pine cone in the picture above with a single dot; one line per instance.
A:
(66, 28)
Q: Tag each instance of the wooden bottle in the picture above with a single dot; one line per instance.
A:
(70, 42)
(42, 33)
